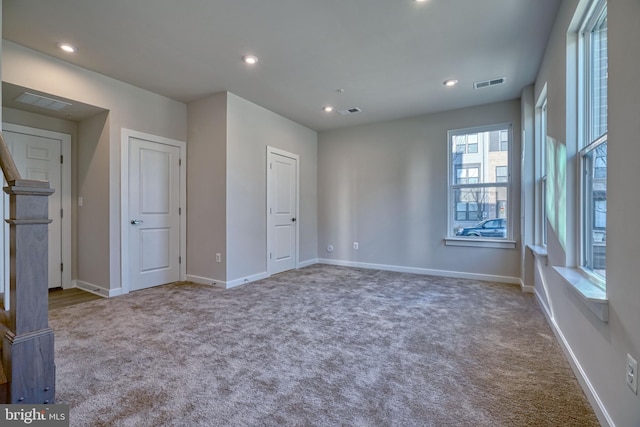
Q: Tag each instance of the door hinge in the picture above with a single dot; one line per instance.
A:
(179, 162)
(61, 213)
(270, 255)
(61, 267)
(179, 260)
(270, 165)
(61, 158)
(179, 211)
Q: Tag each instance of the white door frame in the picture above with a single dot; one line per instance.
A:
(270, 236)
(65, 146)
(126, 135)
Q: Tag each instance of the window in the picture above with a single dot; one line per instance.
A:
(502, 174)
(472, 144)
(479, 182)
(467, 174)
(499, 141)
(593, 143)
(541, 170)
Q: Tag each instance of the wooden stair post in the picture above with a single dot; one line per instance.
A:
(27, 350)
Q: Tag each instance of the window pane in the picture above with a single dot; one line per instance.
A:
(478, 159)
(598, 73)
(481, 204)
(595, 210)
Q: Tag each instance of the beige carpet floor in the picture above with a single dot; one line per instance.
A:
(320, 346)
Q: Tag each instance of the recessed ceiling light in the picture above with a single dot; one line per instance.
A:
(450, 82)
(327, 109)
(250, 59)
(420, 1)
(69, 48)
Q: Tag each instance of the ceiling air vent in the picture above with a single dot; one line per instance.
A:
(42, 101)
(487, 83)
(349, 111)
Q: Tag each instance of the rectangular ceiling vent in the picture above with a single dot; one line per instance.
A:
(487, 83)
(349, 111)
(42, 101)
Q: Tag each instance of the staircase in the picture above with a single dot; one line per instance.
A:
(27, 371)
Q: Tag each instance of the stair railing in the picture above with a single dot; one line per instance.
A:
(27, 344)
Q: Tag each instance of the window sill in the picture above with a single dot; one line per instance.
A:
(594, 297)
(539, 252)
(480, 243)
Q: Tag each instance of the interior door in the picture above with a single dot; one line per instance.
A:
(154, 221)
(38, 158)
(282, 199)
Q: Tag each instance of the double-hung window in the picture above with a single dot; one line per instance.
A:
(541, 165)
(479, 182)
(593, 144)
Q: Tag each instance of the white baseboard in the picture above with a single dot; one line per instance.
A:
(97, 290)
(248, 279)
(226, 285)
(526, 288)
(424, 271)
(597, 405)
(206, 281)
(545, 308)
(307, 263)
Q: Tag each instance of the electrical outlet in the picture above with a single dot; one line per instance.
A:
(218, 257)
(355, 245)
(632, 373)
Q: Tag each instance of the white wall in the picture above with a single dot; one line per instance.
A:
(597, 349)
(250, 129)
(384, 185)
(129, 107)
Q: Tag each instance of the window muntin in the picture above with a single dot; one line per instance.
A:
(479, 180)
(593, 140)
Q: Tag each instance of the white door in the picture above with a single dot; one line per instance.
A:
(282, 208)
(38, 154)
(154, 213)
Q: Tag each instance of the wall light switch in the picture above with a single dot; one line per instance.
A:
(218, 257)
(80, 201)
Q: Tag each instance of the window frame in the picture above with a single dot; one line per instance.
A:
(497, 242)
(540, 155)
(588, 144)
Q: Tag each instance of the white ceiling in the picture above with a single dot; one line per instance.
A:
(390, 56)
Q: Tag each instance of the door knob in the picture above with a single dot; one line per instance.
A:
(136, 221)
(293, 220)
